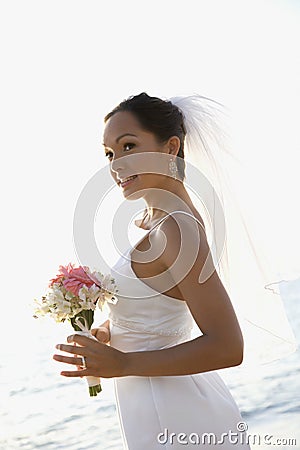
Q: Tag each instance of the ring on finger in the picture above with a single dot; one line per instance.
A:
(83, 362)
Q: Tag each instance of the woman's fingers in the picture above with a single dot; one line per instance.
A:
(68, 360)
(75, 350)
(102, 334)
(83, 341)
(101, 360)
(85, 344)
(75, 373)
(80, 372)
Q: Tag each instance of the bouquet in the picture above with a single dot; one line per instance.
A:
(73, 295)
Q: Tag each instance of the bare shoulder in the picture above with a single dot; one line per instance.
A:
(185, 238)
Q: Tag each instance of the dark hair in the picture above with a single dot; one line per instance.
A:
(159, 117)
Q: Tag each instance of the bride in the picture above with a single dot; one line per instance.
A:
(168, 392)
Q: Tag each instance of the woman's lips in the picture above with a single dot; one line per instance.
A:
(127, 181)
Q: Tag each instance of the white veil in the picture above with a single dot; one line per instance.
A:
(250, 264)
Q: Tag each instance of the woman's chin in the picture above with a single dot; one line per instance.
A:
(132, 194)
(131, 191)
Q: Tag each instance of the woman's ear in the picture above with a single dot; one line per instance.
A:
(173, 145)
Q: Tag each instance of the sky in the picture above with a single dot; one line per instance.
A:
(66, 63)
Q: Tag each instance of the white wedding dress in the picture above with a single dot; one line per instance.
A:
(166, 412)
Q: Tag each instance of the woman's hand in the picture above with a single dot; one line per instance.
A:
(102, 333)
(101, 360)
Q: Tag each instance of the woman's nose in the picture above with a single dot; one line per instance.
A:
(116, 164)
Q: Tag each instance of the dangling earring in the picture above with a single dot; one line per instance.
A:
(173, 168)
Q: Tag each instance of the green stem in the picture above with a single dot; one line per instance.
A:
(87, 314)
(95, 390)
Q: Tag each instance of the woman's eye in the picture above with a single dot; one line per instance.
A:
(109, 155)
(128, 146)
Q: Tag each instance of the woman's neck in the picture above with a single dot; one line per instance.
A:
(161, 202)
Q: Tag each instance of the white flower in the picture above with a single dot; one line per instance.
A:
(108, 291)
(83, 292)
(59, 317)
(69, 296)
(88, 304)
(63, 307)
(108, 283)
(41, 308)
(89, 296)
(54, 295)
(110, 297)
(58, 305)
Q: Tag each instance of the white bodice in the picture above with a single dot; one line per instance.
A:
(144, 319)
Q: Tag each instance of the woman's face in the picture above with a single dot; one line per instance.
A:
(128, 147)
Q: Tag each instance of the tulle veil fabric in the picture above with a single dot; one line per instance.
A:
(251, 265)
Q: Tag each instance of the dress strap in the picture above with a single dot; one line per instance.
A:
(130, 249)
(173, 212)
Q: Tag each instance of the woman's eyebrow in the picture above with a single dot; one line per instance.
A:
(125, 134)
(120, 137)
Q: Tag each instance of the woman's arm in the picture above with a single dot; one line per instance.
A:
(221, 344)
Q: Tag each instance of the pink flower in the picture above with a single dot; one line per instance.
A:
(74, 278)
(59, 278)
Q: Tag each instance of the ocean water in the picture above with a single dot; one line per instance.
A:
(40, 409)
